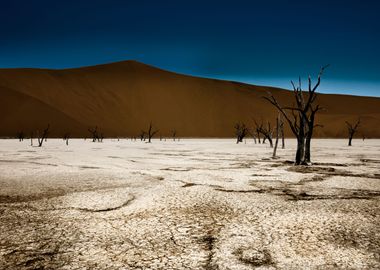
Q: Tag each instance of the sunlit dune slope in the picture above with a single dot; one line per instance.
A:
(122, 98)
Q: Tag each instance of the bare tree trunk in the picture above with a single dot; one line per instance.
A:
(300, 154)
(44, 136)
(174, 133)
(300, 150)
(352, 130)
(282, 136)
(277, 133)
(307, 158)
(150, 132)
(270, 142)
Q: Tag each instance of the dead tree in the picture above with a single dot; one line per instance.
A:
(66, 137)
(352, 130)
(142, 135)
(94, 133)
(267, 132)
(241, 132)
(31, 138)
(151, 132)
(43, 137)
(300, 117)
(174, 134)
(258, 134)
(20, 135)
(257, 130)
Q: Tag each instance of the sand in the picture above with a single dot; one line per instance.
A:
(192, 204)
(123, 98)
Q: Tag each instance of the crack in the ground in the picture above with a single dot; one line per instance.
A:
(304, 196)
(83, 209)
(330, 171)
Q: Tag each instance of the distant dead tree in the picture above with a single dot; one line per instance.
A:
(174, 134)
(43, 137)
(66, 137)
(20, 135)
(241, 131)
(352, 128)
(142, 135)
(257, 131)
(267, 132)
(94, 133)
(301, 120)
(151, 132)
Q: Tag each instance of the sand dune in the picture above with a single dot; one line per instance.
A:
(122, 98)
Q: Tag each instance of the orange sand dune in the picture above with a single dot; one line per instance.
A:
(122, 98)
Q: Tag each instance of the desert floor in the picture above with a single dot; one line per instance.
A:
(192, 204)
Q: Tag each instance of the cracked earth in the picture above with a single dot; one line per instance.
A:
(193, 204)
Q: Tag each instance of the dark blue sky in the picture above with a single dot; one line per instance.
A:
(259, 42)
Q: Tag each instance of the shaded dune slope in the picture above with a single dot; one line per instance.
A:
(122, 98)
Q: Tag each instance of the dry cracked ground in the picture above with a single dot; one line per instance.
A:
(193, 204)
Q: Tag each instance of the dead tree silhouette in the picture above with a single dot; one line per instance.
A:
(174, 134)
(66, 137)
(267, 132)
(142, 135)
(301, 120)
(151, 132)
(43, 137)
(20, 136)
(94, 133)
(241, 131)
(352, 128)
(257, 130)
